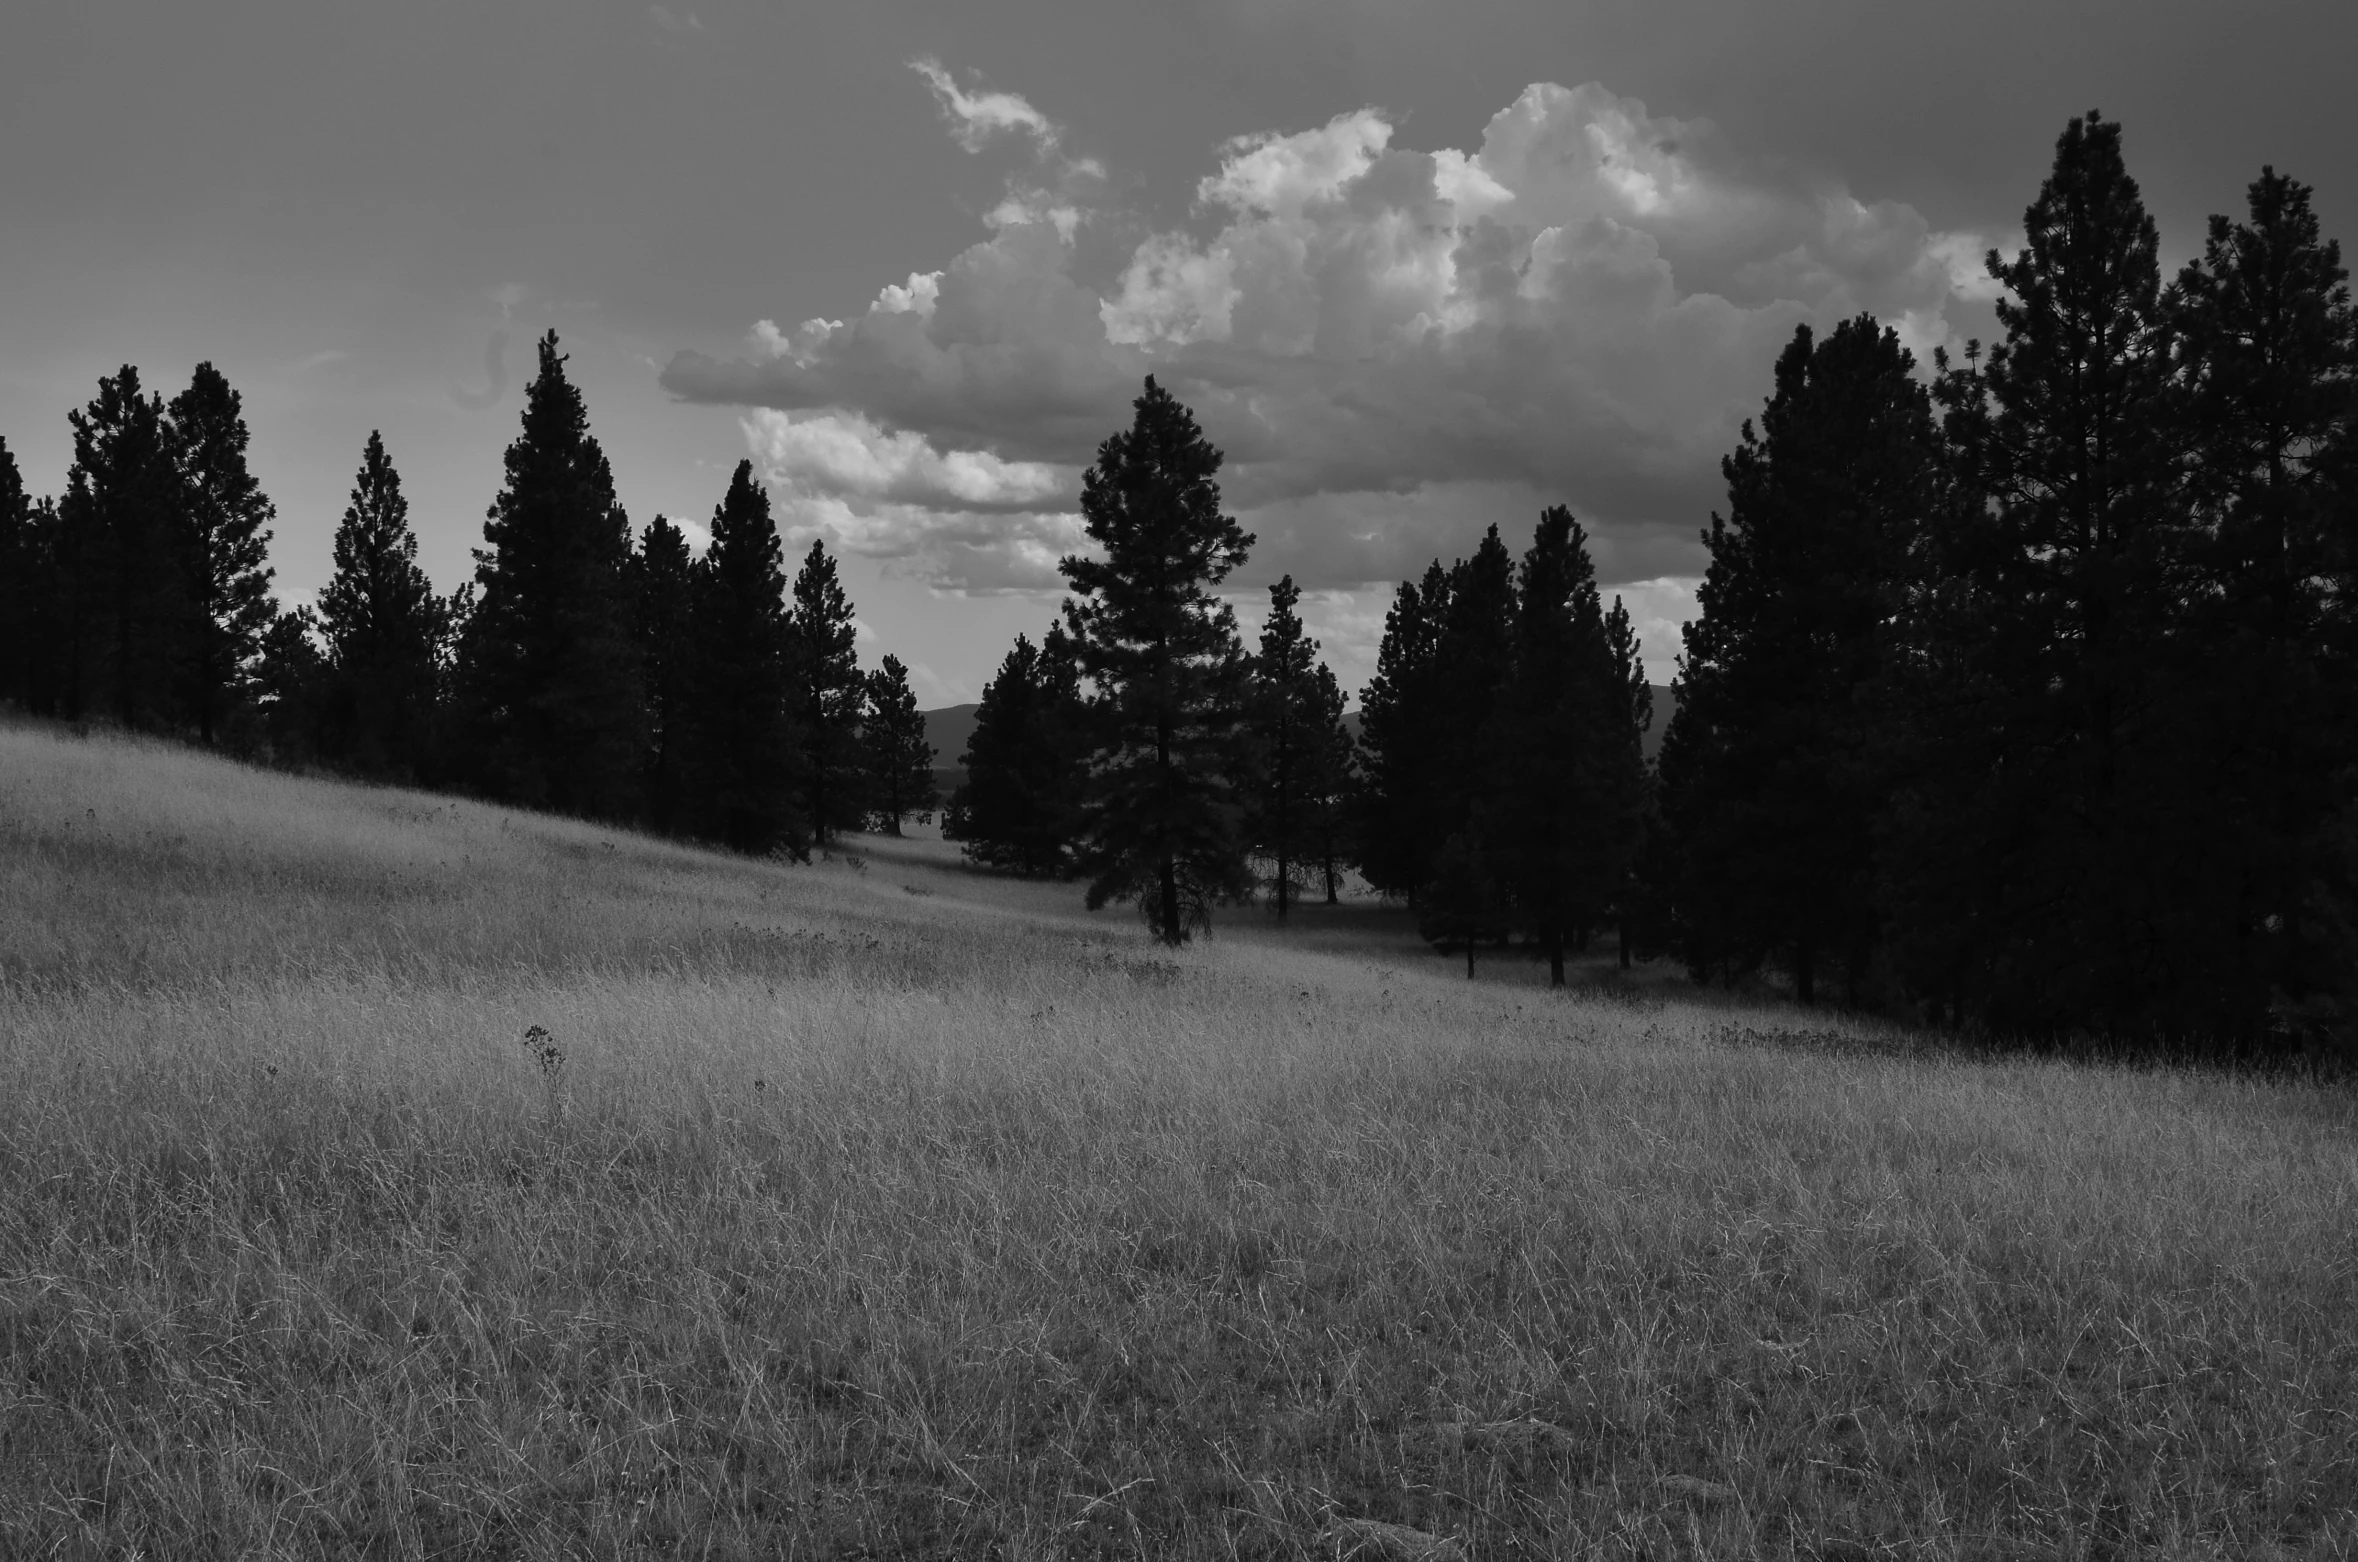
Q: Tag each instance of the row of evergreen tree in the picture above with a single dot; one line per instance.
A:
(2023, 695)
(579, 670)
(2029, 698)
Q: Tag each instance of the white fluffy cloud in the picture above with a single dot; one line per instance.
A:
(964, 519)
(975, 118)
(1394, 347)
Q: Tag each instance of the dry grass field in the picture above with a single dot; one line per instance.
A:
(387, 1176)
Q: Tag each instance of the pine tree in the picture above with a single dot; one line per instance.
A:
(44, 591)
(1290, 734)
(1770, 787)
(292, 685)
(225, 517)
(548, 672)
(739, 750)
(1404, 795)
(122, 574)
(382, 624)
(1019, 807)
(22, 582)
(829, 695)
(1563, 828)
(1472, 665)
(1164, 818)
(661, 587)
(1328, 778)
(892, 741)
(2037, 857)
(1630, 714)
(2268, 367)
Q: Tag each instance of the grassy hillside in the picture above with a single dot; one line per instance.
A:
(388, 1176)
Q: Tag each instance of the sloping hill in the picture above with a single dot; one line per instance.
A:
(383, 1174)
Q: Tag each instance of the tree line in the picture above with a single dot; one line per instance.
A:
(581, 669)
(2024, 698)
(2023, 695)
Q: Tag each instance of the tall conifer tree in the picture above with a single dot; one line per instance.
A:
(1327, 780)
(1290, 735)
(1403, 798)
(741, 754)
(661, 580)
(892, 742)
(1770, 782)
(225, 541)
(122, 573)
(22, 582)
(2038, 859)
(1564, 826)
(1629, 716)
(382, 624)
(1026, 762)
(1472, 665)
(2269, 369)
(830, 694)
(548, 673)
(1164, 817)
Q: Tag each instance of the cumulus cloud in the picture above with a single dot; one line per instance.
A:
(964, 519)
(1395, 347)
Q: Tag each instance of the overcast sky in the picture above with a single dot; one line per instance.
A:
(1419, 267)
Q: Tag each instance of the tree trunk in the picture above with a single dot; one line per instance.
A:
(1625, 941)
(1173, 933)
(1469, 957)
(1555, 957)
(1805, 971)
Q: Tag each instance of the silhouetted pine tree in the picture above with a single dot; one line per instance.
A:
(740, 755)
(24, 579)
(1472, 665)
(661, 576)
(224, 515)
(1163, 818)
(1026, 761)
(1770, 780)
(2268, 365)
(548, 668)
(122, 573)
(1563, 830)
(291, 685)
(2037, 859)
(829, 695)
(1403, 795)
(382, 624)
(1632, 699)
(1327, 783)
(1291, 733)
(892, 743)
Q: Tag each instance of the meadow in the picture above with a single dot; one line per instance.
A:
(389, 1176)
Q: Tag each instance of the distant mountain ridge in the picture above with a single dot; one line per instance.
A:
(950, 728)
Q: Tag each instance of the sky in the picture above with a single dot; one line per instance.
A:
(1418, 268)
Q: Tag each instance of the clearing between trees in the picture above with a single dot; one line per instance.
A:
(389, 1175)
